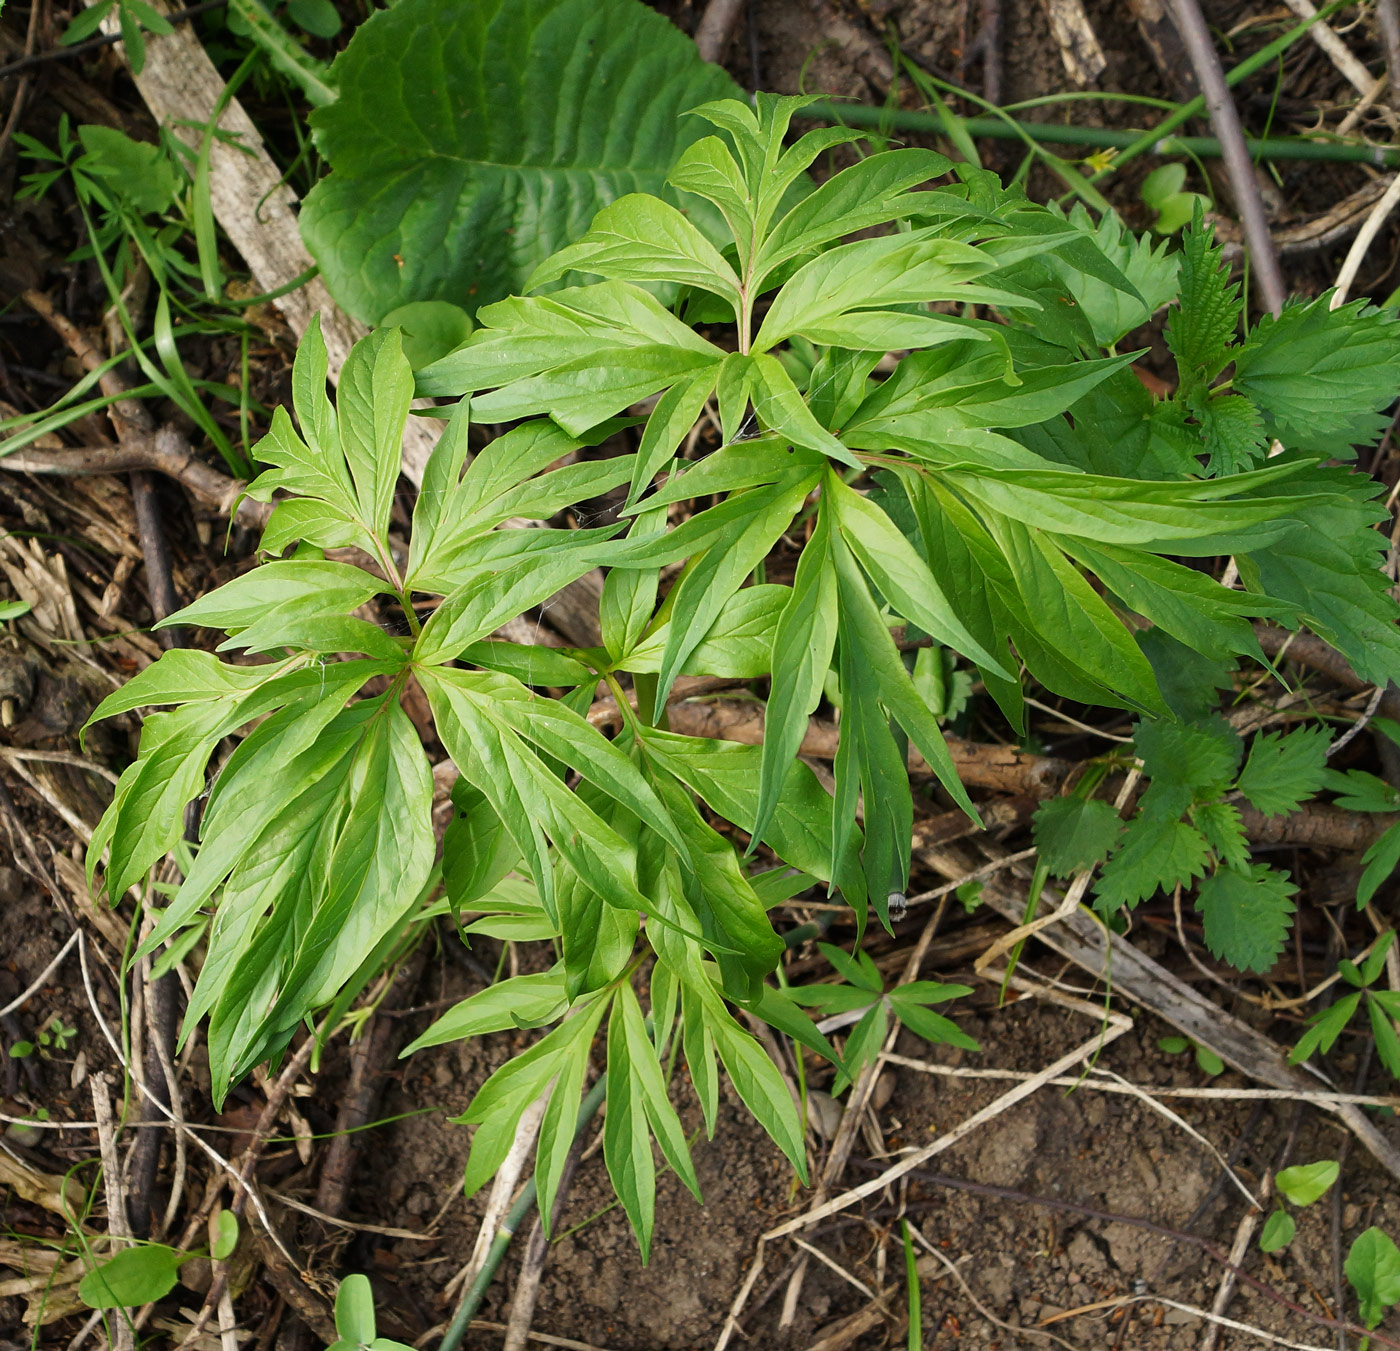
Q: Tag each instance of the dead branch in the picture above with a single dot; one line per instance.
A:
(1225, 122)
(716, 27)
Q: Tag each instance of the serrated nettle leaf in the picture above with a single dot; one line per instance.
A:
(1246, 915)
(1322, 376)
(1202, 328)
(1154, 855)
(1223, 829)
(1074, 832)
(1328, 566)
(1284, 769)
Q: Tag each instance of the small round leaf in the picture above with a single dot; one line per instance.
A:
(130, 1277)
(317, 17)
(354, 1310)
(224, 1238)
(1304, 1183)
(431, 329)
(1278, 1233)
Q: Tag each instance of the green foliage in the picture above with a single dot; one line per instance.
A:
(1162, 191)
(467, 143)
(1003, 530)
(863, 998)
(1382, 1011)
(136, 17)
(1206, 1059)
(1373, 1268)
(132, 1277)
(355, 1323)
(1307, 1182)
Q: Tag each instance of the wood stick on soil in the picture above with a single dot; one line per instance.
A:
(527, 1283)
(371, 1058)
(1337, 51)
(716, 28)
(1081, 939)
(1075, 37)
(118, 1226)
(1225, 122)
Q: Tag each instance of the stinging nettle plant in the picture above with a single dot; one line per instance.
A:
(1008, 491)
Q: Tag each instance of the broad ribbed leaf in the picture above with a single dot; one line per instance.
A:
(469, 142)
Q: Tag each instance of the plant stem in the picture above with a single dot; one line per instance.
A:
(285, 52)
(515, 1217)
(1158, 140)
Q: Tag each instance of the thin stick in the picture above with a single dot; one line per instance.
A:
(123, 1334)
(1365, 237)
(1225, 122)
(1337, 51)
(716, 27)
(1133, 1090)
(502, 1189)
(38, 983)
(1117, 1024)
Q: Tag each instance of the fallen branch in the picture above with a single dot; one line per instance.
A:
(1225, 122)
(166, 452)
(1005, 769)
